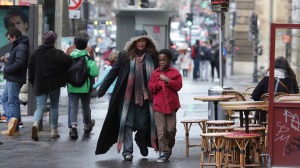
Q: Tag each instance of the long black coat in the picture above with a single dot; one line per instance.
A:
(110, 129)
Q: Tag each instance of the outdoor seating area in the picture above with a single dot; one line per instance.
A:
(237, 141)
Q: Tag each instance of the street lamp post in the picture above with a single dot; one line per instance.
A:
(220, 6)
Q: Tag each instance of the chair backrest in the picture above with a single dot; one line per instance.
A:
(265, 97)
(288, 98)
(247, 92)
(250, 89)
(238, 96)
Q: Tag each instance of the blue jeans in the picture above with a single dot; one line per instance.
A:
(196, 70)
(10, 100)
(69, 110)
(41, 104)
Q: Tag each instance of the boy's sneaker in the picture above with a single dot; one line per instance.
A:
(2, 119)
(73, 133)
(128, 157)
(21, 125)
(162, 158)
(89, 129)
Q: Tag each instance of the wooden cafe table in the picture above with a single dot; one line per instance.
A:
(245, 107)
(215, 99)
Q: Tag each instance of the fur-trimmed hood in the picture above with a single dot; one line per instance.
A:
(130, 46)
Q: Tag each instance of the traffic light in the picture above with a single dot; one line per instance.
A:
(189, 19)
(260, 50)
(253, 24)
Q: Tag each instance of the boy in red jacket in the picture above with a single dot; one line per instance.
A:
(164, 84)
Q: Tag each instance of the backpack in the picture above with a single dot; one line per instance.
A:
(194, 51)
(201, 53)
(78, 72)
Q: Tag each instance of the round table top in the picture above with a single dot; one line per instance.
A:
(220, 122)
(246, 107)
(220, 128)
(194, 120)
(250, 129)
(232, 103)
(241, 135)
(215, 134)
(215, 98)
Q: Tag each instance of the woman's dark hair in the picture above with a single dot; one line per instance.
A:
(282, 63)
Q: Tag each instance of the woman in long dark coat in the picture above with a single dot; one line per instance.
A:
(130, 108)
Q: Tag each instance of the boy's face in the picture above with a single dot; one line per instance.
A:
(164, 61)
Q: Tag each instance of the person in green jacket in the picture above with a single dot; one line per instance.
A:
(82, 92)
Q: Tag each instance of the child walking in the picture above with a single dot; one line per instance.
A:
(112, 59)
(184, 59)
(82, 92)
(164, 84)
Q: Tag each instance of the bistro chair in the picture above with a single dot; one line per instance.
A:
(288, 98)
(238, 97)
(247, 92)
(187, 126)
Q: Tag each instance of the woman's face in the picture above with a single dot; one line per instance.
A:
(141, 44)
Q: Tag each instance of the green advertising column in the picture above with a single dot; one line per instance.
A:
(155, 21)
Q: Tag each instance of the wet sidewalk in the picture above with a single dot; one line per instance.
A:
(20, 151)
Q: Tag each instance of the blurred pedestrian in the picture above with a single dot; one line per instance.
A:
(82, 34)
(196, 58)
(47, 74)
(130, 107)
(174, 52)
(284, 81)
(184, 60)
(15, 71)
(112, 59)
(82, 92)
(205, 57)
(214, 62)
(164, 84)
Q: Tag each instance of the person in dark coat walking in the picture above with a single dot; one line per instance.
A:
(15, 71)
(47, 73)
(196, 57)
(285, 81)
(130, 108)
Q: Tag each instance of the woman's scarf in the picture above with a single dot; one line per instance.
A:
(128, 94)
(279, 73)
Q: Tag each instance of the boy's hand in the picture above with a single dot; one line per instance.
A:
(164, 78)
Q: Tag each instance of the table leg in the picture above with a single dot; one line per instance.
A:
(216, 110)
(247, 131)
(246, 121)
(241, 119)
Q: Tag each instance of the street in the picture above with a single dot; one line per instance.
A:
(20, 151)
